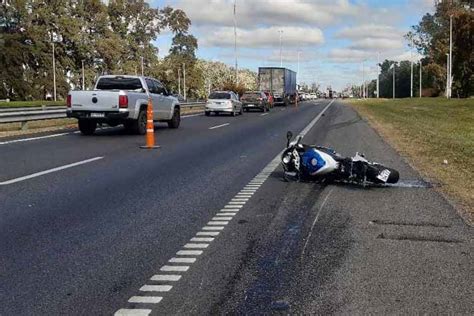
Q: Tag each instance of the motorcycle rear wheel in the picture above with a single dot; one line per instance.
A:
(374, 170)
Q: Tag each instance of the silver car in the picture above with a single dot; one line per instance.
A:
(223, 102)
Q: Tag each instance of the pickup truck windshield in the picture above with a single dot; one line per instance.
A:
(119, 83)
(219, 95)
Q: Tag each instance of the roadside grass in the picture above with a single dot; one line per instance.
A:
(427, 132)
(21, 104)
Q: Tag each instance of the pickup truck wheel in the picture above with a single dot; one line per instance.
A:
(87, 127)
(176, 119)
(139, 126)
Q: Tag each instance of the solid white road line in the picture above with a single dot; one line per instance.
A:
(145, 299)
(264, 114)
(132, 312)
(174, 268)
(31, 138)
(182, 260)
(219, 126)
(166, 277)
(156, 288)
(207, 233)
(38, 174)
(189, 252)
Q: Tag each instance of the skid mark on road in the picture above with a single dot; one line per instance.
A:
(176, 266)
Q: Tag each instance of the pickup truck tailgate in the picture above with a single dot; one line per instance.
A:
(95, 100)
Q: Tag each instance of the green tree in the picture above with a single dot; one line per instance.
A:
(431, 38)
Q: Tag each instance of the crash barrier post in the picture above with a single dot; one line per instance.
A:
(150, 128)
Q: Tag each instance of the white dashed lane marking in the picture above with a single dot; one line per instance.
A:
(145, 299)
(156, 288)
(207, 234)
(166, 277)
(219, 126)
(42, 173)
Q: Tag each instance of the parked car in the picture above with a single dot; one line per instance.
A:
(255, 100)
(223, 102)
(270, 98)
(123, 100)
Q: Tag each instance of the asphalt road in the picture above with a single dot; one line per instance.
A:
(205, 225)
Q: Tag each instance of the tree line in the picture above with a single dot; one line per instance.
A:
(430, 37)
(97, 38)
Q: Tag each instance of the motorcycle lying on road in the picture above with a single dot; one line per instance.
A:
(316, 163)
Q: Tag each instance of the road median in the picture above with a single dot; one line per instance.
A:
(436, 136)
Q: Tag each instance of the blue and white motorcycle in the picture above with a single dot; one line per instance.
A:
(316, 163)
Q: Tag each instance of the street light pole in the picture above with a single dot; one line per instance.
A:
(83, 82)
(363, 80)
(184, 81)
(411, 71)
(450, 54)
(54, 74)
(298, 69)
(447, 76)
(394, 66)
(421, 66)
(235, 44)
(378, 74)
(142, 66)
(179, 81)
(281, 53)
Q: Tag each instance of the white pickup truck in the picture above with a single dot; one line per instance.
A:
(123, 100)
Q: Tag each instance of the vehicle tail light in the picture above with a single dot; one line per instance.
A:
(68, 101)
(123, 101)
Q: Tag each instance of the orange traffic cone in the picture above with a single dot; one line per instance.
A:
(150, 128)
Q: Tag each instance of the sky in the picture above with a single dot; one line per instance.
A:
(338, 40)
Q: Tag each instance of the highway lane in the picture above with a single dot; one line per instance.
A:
(292, 248)
(84, 239)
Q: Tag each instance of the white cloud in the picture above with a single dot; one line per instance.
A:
(370, 30)
(264, 37)
(251, 14)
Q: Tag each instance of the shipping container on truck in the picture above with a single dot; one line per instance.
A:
(280, 81)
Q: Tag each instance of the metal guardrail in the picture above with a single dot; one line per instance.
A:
(25, 115)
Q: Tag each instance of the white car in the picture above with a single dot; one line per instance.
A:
(223, 102)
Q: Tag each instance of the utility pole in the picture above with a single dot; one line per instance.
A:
(378, 74)
(142, 66)
(184, 81)
(281, 52)
(235, 44)
(421, 66)
(179, 81)
(83, 81)
(450, 54)
(54, 73)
